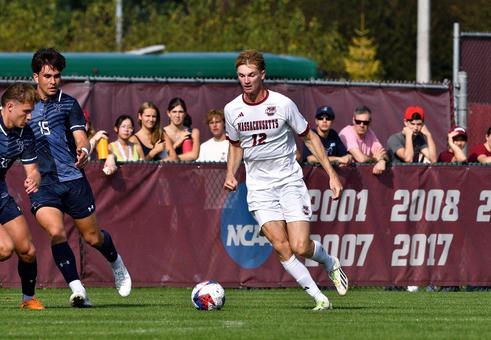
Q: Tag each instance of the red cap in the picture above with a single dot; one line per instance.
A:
(411, 111)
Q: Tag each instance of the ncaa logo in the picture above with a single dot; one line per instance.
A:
(239, 232)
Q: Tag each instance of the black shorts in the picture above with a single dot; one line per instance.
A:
(8, 208)
(74, 198)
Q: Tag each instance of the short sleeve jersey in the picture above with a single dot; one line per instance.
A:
(15, 143)
(398, 140)
(478, 150)
(53, 123)
(265, 132)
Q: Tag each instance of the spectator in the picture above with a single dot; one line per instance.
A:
(215, 149)
(333, 146)
(482, 152)
(457, 139)
(361, 141)
(94, 137)
(122, 150)
(155, 144)
(415, 143)
(184, 139)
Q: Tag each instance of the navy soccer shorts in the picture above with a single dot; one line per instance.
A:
(8, 208)
(74, 198)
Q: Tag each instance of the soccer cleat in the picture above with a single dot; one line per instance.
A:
(322, 305)
(80, 300)
(122, 279)
(33, 304)
(339, 278)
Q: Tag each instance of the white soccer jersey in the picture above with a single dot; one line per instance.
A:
(265, 133)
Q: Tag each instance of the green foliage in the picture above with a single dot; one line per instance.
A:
(213, 25)
(92, 29)
(361, 62)
(167, 313)
(27, 25)
(321, 30)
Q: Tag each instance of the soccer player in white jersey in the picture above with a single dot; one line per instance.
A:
(260, 124)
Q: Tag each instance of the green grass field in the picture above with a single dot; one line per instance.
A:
(257, 313)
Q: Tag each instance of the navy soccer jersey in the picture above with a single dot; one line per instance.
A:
(15, 143)
(53, 122)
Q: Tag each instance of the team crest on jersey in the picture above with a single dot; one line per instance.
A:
(271, 110)
(20, 145)
(57, 107)
(306, 210)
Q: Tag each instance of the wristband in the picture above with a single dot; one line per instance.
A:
(84, 149)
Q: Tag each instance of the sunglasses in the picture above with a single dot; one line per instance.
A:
(362, 122)
(325, 118)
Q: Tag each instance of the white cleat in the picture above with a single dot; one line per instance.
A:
(80, 300)
(322, 305)
(122, 278)
(339, 278)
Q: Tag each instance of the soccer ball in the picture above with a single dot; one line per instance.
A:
(208, 295)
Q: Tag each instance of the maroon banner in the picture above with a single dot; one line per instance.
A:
(105, 101)
(174, 226)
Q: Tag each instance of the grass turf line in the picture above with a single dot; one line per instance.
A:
(256, 313)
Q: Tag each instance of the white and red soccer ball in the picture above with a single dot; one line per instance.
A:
(208, 295)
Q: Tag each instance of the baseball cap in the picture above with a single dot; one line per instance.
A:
(459, 130)
(324, 111)
(412, 112)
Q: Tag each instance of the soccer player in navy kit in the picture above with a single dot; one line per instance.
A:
(62, 149)
(17, 141)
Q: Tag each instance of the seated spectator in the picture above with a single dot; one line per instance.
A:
(333, 146)
(482, 152)
(184, 139)
(457, 139)
(215, 149)
(122, 150)
(361, 141)
(156, 145)
(415, 143)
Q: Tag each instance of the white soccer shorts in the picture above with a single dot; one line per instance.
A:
(289, 202)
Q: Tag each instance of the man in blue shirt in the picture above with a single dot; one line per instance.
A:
(333, 146)
(62, 148)
(17, 141)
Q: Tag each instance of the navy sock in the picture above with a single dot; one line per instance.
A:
(28, 273)
(107, 247)
(65, 261)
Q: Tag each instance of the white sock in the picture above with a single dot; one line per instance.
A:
(116, 263)
(301, 274)
(76, 286)
(320, 255)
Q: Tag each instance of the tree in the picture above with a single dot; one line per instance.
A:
(361, 62)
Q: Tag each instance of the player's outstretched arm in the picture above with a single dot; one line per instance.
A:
(314, 144)
(83, 147)
(33, 178)
(234, 158)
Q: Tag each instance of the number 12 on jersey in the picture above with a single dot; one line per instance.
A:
(258, 139)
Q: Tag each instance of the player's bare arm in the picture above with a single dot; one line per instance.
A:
(234, 158)
(33, 178)
(313, 143)
(83, 145)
